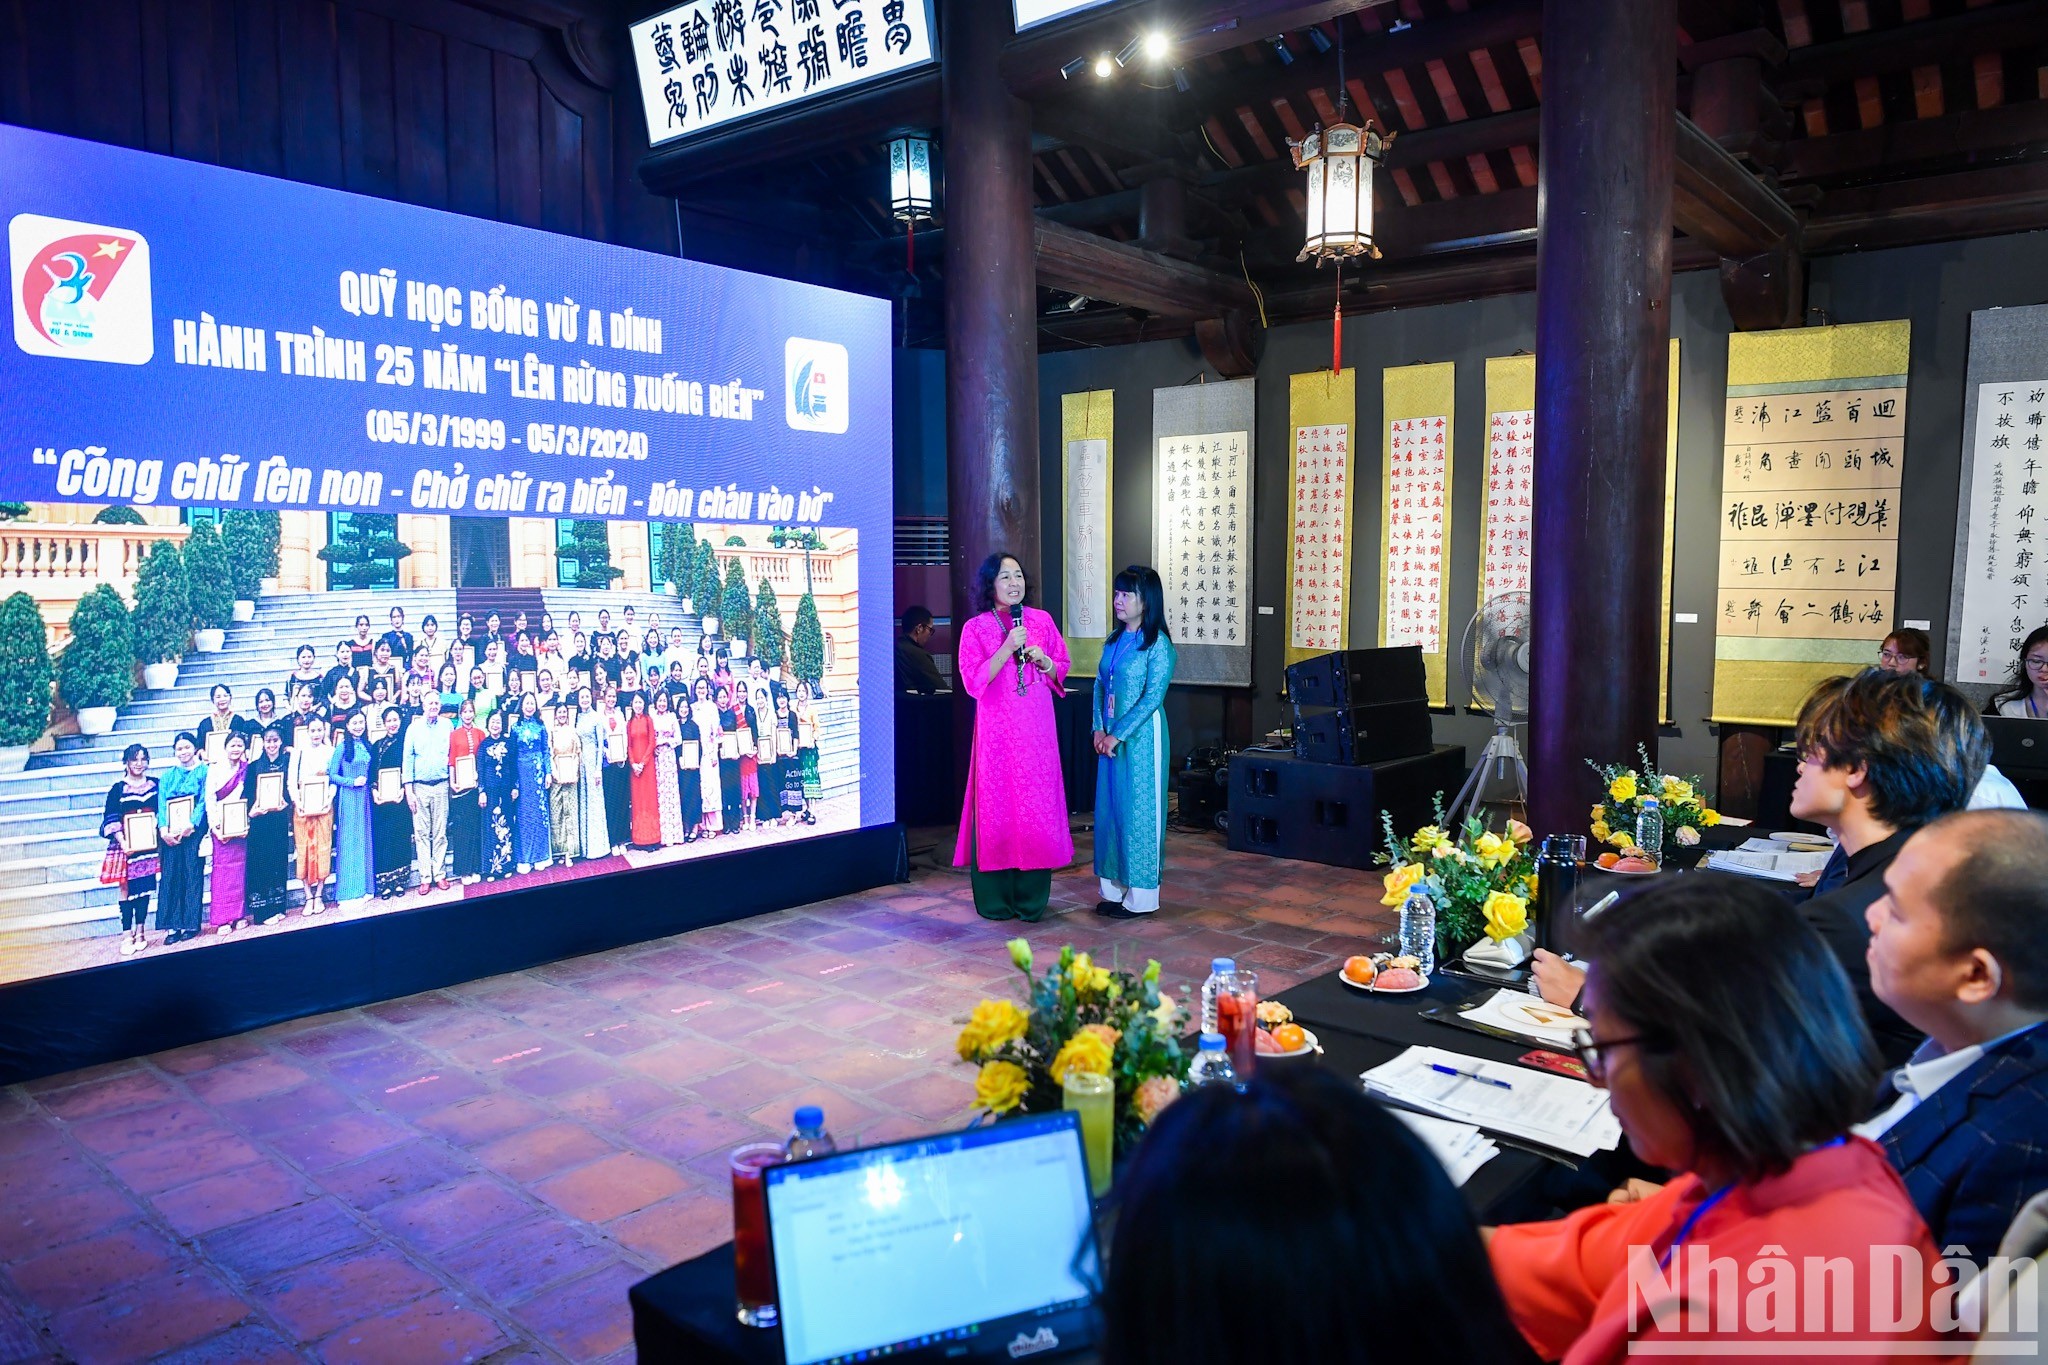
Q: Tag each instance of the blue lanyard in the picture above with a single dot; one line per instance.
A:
(1692, 1220)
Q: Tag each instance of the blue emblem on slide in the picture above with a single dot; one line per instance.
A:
(806, 402)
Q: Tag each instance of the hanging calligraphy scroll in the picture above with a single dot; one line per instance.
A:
(713, 62)
(1415, 514)
(1322, 414)
(1998, 596)
(1087, 474)
(1814, 443)
(1202, 525)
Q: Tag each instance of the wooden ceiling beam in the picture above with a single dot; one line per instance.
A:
(1718, 200)
(1078, 262)
(2016, 129)
(1936, 208)
(1809, 71)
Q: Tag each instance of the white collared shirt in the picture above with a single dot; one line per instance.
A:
(1928, 1071)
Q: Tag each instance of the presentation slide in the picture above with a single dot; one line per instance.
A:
(389, 557)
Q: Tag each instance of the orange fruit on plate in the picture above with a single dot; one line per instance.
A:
(1360, 970)
(1291, 1037)
(1608, 859)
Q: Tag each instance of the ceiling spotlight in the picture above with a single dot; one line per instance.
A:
(1073, 68)
(1105, 66)
(1281, 50)
(1181, 81)
(1077, 303)
(1128, 51)
(1157, 45)
(1319, 40)
(1399, 26)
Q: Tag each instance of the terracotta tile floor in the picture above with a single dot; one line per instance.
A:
(479, 1173)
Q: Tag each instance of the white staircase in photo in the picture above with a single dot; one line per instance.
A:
(50, 845)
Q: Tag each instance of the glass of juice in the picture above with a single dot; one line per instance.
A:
(1093, 1097)
(1237, 1019)
(753, 1268)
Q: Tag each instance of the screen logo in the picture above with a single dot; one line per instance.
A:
(81, 291)
(1044, 1339)
(814, 385)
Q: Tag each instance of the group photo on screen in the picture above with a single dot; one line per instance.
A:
(271, 720)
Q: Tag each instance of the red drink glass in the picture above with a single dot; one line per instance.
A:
(1237, 1019)
(752, 1265)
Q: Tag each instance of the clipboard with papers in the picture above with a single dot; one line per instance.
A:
(1500, 1098)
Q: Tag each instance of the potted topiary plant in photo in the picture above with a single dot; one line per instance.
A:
(269, 528)
(807, 645)
(736, 609)
(162, 623)
(242, 539)
(24, 680)
(96, 672)
(212, 594)
(706, 586)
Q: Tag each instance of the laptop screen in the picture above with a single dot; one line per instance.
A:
(965, 1240)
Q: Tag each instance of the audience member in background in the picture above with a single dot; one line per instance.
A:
(465, 812)
(1907, 651)
(1729, 1043)
(424, 764)
(1131, 746)
(351, 770)
(1879, 756)
(270, 829)
(916, 670)
(391, 821)
(565, 778)
(534, 846)
(312, 833)
(227, 902)
(134, 790)
(2026, 692)
(1959, 947)
(1233, 1197)
(1013, 822)
(181, 884)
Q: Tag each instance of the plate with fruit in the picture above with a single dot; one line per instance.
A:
(1384, 974)
(1283, 1039)
(1627, 863)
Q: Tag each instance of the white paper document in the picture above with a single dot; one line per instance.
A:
(1461, 1148)
(1514, 1101)
(1527, 1016)
(1777, 865)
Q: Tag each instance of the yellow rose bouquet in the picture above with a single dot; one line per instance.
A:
(1082, 1017)
(1480, 879)
(1686, 812)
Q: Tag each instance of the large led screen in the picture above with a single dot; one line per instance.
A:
(285, 472)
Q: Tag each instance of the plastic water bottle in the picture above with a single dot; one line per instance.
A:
(1418, 930)
(1211, 1065)
(808, 1136)
(1650, 829)
(1222, 980)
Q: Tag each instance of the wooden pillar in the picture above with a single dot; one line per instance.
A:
(1603, 290)
(991, 312)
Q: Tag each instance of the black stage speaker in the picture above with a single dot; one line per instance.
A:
(1358, 677)
(1362, 734)
(1330, 813)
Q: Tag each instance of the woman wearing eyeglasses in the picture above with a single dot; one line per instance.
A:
(1734, 1056)
(1907, 650)
(2026, 695)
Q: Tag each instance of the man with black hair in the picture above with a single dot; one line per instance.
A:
(1959, 947)
(916, 671)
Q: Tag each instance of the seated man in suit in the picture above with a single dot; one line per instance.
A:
(1959, 947)
(1880, 755)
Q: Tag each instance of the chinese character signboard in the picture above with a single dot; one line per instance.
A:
(1415, 519)
(712, 62)
(1997, 596)
(1202, 525)
(1322, 414)
(1814, 443)
(1032, 13)
(1087, 422)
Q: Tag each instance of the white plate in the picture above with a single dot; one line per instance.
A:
(1308, 1048)
(1617, 872)
(1377, 989)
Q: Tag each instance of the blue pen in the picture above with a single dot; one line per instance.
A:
(1469, 1075)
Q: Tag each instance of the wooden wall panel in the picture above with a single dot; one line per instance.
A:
(478, 108)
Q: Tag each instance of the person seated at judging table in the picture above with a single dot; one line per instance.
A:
(1907, 651)
(1729, 1043)
(1879, 756)
(1959, 947)
(1297, 1222)
(2025, 694)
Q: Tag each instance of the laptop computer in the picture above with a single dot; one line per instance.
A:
(977, 1245)
(2019, 746)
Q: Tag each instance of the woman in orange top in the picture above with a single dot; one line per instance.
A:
(646, 782)
(1731, 1047)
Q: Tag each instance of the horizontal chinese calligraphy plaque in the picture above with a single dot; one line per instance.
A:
(710, 63)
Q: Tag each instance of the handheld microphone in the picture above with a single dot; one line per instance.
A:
(1017, 619)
